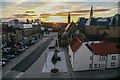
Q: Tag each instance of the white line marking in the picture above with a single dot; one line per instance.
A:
(19, 75)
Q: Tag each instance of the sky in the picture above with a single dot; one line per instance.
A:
(56, 10)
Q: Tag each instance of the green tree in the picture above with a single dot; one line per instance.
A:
(54, 60)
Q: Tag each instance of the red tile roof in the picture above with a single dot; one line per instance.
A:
(75, 44)
(104, 48)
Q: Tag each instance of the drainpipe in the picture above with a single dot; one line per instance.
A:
(106, 61)
(92, 61)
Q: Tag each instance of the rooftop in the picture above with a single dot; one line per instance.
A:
(104, 49)
(75, 44)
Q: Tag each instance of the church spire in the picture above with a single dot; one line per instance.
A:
(69, 18)
(91, 12)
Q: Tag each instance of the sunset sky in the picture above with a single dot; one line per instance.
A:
(56, 10)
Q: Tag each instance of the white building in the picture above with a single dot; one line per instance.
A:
(26, 25)
(79, 55)
(106, 55)
(98, 55)
(15, 23)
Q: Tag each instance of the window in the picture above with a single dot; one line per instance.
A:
(112, 63)
(99, 65)
(95, 65)
(102, 58)
(70, 56)
(90, 66)
(90, 57)
(113, 57)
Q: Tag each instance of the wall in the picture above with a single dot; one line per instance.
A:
(109, 60)
(113, 31)
(100, 61)
(119, 61)
(82, 59)
(71, 54)
(95, 61)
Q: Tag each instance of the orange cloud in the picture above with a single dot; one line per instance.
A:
(66, 14)
(45, 15)
(30, 12)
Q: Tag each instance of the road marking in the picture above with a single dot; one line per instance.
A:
(7, 72)
(19, 75)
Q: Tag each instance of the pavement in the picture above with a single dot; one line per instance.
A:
(61, 65)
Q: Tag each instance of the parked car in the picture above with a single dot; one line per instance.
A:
(28, 43)
(21, 49)
(5, 60)
(33, 41)
(9, 56)
(52, 47)
(6, 50)
(26, 47)
(2, 63)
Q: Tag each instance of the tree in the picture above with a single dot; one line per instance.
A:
(54, 60)
(27, 20)
(12, 50)
(32, 20)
